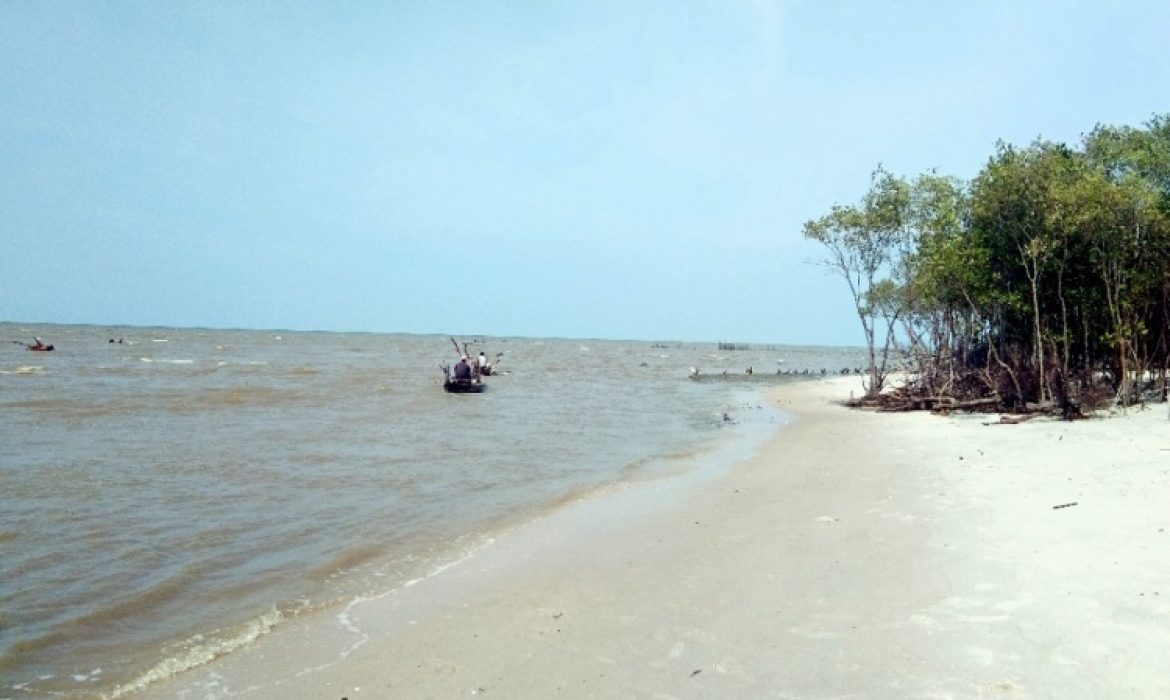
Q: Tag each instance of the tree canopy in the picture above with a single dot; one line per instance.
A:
(1043, 281)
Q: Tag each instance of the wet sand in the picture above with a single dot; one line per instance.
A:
(856, 555)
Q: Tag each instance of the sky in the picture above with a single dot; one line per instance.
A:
(625, 170)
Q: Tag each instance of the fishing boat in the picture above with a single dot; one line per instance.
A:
(469, 386)
(35, 347)
(472, 384)
(451, 385)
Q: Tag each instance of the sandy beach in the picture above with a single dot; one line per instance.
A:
(856, 555)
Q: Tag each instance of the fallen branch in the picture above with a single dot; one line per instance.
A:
(1012, 420)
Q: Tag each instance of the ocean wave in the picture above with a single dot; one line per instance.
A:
(319, 472)
(200, 650)
(347, 561)
(38, 404)
(24, 369)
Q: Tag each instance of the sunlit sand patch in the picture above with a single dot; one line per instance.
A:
(983, 657)
(728, 667)
(961, 610)
(928, 622)
(814, 634)
(1004, 687)
(1013, 605)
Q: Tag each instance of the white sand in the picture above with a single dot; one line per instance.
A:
(858, 555)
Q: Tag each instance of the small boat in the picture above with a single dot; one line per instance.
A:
(43, 348)
(460, 386)
(465, 386)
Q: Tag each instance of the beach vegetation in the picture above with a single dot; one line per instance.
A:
(1035, 286)
(864, 242)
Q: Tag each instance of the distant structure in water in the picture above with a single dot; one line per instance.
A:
(743, 346)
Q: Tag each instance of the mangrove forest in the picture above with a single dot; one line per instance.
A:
(1042, 284)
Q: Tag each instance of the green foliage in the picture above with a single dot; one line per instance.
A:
(867, 244)
(1053, 257)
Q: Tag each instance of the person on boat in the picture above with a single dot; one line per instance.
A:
(462, 371)
(484, 367)
(37, 344)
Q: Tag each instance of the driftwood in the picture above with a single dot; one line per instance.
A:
(922, 394)
(974, 403)
(906, 399)
(1012, 420)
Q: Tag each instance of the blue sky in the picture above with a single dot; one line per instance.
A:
(573, 169)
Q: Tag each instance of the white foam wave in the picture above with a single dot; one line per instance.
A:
(344, 619)
(26, 369)
(199, 652)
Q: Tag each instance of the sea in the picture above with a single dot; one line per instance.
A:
(170, 495)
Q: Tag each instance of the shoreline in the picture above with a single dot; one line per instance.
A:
(685, 468)
(854, 554)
